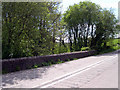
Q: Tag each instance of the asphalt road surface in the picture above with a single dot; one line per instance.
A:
(99, 71)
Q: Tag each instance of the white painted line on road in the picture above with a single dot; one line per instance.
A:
(71, 74)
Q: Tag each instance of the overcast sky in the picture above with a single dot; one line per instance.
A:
(103, 3)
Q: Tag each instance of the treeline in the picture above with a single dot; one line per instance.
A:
(32, 29)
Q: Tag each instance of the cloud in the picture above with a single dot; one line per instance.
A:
(109, 5)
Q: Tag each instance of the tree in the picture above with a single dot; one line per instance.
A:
(88, 20)
(105, 28)
(27, 28)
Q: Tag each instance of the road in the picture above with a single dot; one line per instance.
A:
(99, 71)
(102, 75)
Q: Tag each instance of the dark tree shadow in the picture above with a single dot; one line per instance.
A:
(109, 54)
(30, 74)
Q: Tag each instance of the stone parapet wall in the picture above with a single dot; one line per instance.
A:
(11, 65)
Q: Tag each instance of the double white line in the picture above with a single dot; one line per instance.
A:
(66, 76)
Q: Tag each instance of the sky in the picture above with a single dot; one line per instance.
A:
(103, 3)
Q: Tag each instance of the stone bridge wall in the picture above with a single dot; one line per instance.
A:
(11, 65)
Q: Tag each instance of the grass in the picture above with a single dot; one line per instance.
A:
(4, 72)
(114, 45)
(35, 66)
(68, 59)
(75, 58)
(85, 48)
(113, 42)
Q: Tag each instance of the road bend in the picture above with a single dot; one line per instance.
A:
(99, 71)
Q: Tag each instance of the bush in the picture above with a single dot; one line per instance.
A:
(85, 48)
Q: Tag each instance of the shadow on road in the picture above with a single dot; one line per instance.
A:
(14, 78)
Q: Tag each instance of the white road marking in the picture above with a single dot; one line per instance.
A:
(71, 74)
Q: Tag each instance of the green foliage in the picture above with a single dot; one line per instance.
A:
(85, 49)
(117, 29)
(88, 20)
(113, 42)
(68, 59)
(4, 72)
(35, 29)
(45, 64)
(75, 59)
(28, 28)
(113, 45)
(106, 51)
(35, 66)
(59, 61)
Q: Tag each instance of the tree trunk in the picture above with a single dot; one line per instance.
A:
(70, 40)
